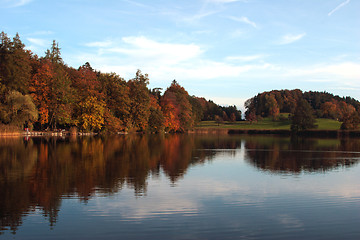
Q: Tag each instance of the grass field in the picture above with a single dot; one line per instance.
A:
(268, 124)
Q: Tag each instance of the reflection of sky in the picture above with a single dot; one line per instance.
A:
(229, 179)
(219, 199)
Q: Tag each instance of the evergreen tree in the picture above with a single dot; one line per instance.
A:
(15, 64)
(303, 117)
(140, 101)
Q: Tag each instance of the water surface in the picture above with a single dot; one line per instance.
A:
(179, 187)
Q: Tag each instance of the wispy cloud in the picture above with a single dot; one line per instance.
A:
(136, 3)
(101, 44)
(38, 41)
(38, 44)
(243, 20)
(42, 33)
(248, 58)
(290, 38)
(199, 16)
(222, 1)
(164, 60)
(338, 7)
(14, 3)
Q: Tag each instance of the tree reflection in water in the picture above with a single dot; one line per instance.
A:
(299, 155)
(37, 173)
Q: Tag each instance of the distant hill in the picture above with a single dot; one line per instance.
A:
(323, 104)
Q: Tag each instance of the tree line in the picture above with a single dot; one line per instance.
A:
(45, 93)
(303, 108)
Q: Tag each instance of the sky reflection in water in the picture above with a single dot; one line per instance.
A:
(180, 187)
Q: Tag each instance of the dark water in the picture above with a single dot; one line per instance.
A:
(180, 187)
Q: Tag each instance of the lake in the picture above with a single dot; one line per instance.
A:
(179, 187)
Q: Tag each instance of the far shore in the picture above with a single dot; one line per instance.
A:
(280, 132)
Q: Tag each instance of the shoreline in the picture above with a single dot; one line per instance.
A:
(281, 132)
(278, 132)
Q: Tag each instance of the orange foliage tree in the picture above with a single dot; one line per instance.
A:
(92, 114)
(177, 108)
(40, 90)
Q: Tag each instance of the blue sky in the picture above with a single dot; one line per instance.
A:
(224, 50)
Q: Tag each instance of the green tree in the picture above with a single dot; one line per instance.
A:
(303, 117)
(156, 118)
(117, 100)
(53, 54)
(140, 102)
(20, 109)
(15, 63)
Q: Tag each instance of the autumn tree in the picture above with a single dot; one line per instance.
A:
(349, 117)
(218, 120)
(232, 117)
(91, 117)
(272, 106)
(86, 83)
(330, 110)
(177, 97)
(232, 110)
(40, 87)
(171, 120)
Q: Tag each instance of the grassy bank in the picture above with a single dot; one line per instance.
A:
(266, 124)
(327, 128)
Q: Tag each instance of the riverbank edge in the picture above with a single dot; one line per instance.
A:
(281, 132)
(44, 134)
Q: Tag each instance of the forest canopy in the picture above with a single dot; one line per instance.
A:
(311, 104)
(45, 93)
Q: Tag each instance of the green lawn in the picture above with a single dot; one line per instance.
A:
(268, 124)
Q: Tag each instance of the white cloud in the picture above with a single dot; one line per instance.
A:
(290, 38)
(168, 60)
(146, 51)
(189, 63)
(243, 20)
(338, 7)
